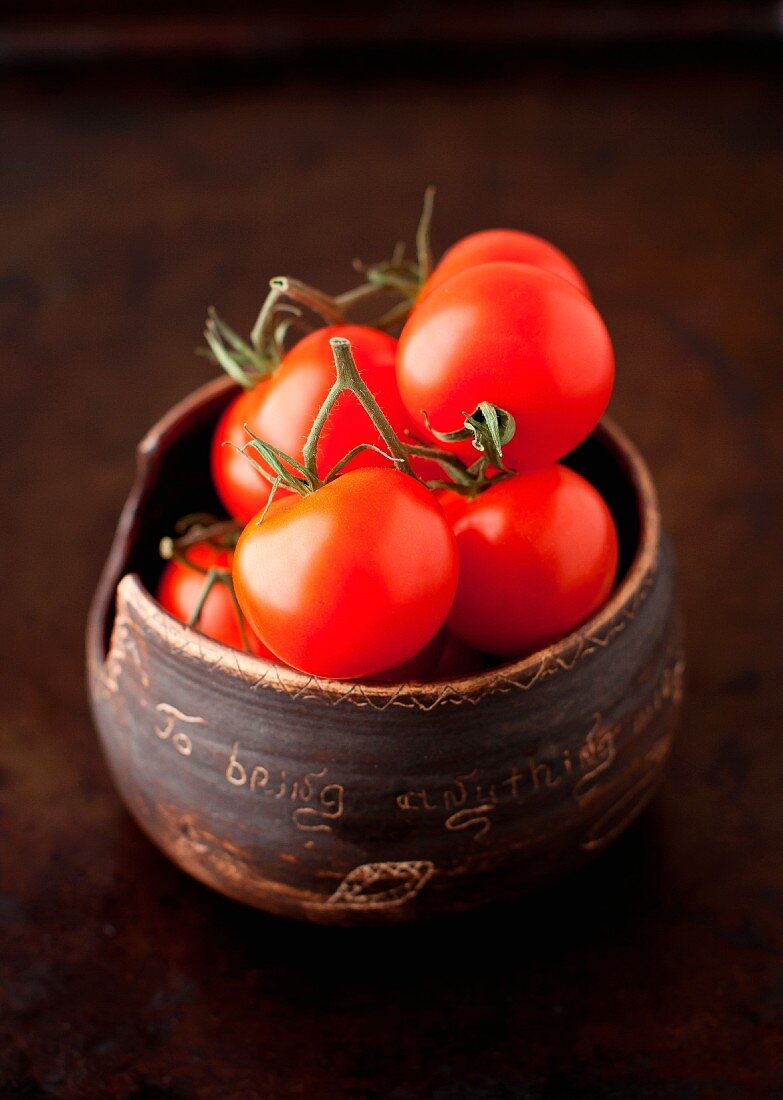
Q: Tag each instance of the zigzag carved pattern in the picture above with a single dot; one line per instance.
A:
(135, 606)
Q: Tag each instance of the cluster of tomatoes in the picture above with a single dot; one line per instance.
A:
(400, 511)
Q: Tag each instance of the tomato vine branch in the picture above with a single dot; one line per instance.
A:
(287, 300)
(194, 530)
(488, 427)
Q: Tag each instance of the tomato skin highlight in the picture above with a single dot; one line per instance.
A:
(281, 411)
(537, 556)
(507, 245)
(179, 591)
(352, 579)
(518, 337)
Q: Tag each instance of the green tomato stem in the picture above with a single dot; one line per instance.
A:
(222, 534)
(349, 378)
(240, 615)
(247, 363)
(211, 580)
(423, 246)
(488, 424)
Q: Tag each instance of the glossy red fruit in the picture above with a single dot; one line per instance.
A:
(352, 579)
(518, 337)
(281, 411)
(242, 490)
(537, 556)
(508, 245)
(180, 588)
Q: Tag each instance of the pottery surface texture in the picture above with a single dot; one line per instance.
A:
(354, 803)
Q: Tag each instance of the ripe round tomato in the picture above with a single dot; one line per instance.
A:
(242, 490)
(444, 658)
(457, 659)
(537, 556)
(180, 589)
(352, 579)
(503, 244)
(420, 667)
(281, 411)
(518, 337)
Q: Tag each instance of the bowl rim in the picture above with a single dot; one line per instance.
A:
(135, 600)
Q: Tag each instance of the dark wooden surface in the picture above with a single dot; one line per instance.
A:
(126, 211)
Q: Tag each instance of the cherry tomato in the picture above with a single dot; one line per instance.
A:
(281, 410)
(242, 490)
(457, 659)
(419, 668)
(180, 588)
(503, 244)
(352, 579)
(537, 556)
(518, 337)
(445, 657)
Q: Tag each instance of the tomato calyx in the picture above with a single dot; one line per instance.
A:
(195, 530)
(488, 428)
(290, 302)
(247, 363)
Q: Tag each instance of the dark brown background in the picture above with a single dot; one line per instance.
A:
(133, 197)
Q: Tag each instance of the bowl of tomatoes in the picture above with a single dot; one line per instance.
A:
(389, 627)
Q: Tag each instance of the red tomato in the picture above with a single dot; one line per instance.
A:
(537, 556)
(281, 411)
(503, 244)
(180, 589)
(242, 490)
(518, 337)
(457, 659)
(419, 668)
(453, 504)
(445, 657)
(352, 579)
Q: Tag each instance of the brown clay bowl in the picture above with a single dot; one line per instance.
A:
(350, 803)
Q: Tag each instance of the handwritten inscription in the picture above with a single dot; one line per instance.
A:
(127, 654)
(468, 802)
(621, 813)
(318, 803)
(170, 718)
(127, 646)
(668, 690)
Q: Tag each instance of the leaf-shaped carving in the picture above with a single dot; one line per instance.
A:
(382, 885)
